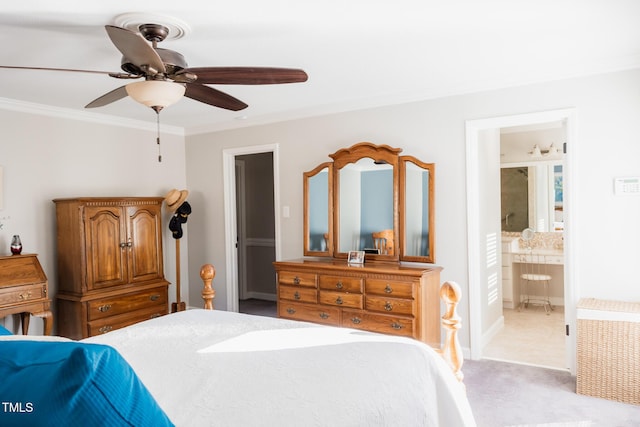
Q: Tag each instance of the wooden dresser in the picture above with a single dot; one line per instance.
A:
(375, 296)
(110, 264)
(24, 290)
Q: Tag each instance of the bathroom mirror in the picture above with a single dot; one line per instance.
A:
(532, 196)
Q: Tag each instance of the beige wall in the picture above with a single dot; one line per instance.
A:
(607, 108)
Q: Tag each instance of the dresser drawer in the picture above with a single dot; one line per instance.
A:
(309, 313)
(108, 324)
(344, 284)
(297, 279)
(394, 325)
(391, 288)
(22, 294)
(295, 293)
(390, 305)
(105, 307)
(341, 299)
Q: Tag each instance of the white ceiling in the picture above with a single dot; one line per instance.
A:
(357, 53)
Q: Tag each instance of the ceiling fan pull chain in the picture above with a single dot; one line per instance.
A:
(158, 137)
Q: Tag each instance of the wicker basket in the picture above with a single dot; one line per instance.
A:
(609, 350)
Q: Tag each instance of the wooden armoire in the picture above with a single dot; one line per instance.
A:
(110, 263)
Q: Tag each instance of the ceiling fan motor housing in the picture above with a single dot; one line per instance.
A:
(173, 61)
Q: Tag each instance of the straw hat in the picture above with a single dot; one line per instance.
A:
(175, 198)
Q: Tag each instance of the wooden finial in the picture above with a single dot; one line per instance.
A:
(450, 294)
(207, 273)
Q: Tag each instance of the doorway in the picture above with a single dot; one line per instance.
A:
(485, 273)
(252, 223)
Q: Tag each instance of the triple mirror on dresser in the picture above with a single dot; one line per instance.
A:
(369, 198)
(370, 190)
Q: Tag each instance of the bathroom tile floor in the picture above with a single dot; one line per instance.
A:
(531, 337)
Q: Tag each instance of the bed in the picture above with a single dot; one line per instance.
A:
(215, 368)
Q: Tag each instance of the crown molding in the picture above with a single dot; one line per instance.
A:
(84, 116)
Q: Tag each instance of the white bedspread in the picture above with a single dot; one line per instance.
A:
(217, 368)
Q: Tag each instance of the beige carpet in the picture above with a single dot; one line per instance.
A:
(530, 336)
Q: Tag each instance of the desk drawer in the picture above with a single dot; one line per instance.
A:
(300, 294)
(341, 299)
(106, 307)
(391, 288)
(309, 312)
(343, 284)
(297, 279)
(13, 295)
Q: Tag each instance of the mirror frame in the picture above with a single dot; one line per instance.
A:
(379, 153)
(431, 167)
(306, 231)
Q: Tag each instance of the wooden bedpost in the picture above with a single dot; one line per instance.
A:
(207, 273)
(452, 352)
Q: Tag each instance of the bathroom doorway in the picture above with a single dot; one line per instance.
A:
(487, 316)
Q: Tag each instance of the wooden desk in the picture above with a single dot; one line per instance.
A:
(24, 290)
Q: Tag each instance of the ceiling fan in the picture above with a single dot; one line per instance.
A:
(167, 77)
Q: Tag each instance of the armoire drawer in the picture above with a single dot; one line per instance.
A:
(395, 325)
(341, 299)
(125, 303)
(297, 279)
(108, 324)
(296, 293)
(309, 313)
(343, 284)
(390, 305)
(392, 288)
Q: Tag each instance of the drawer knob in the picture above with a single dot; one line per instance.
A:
(104, 308)
(396, 326)
(356, 320)
(339, 300)
(339, 285)
(296, 280)
(291, 310)
(154, 297)
(296, 295)
(105, 329)
(388, 306)
(388, 289)
(25, 295)
(324, 315)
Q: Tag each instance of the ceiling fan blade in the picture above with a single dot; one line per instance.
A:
(248, 75)
(213, 97)
(108, 97)
(136, 49)
(14, 67)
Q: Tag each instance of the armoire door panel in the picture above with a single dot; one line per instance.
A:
(145, 260)
(106, 259)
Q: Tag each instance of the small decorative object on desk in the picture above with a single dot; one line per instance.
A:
(356, 257)
(16, 245)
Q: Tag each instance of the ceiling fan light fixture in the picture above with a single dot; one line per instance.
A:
(156, 94)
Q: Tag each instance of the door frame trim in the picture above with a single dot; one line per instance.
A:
(571, 292)
(230, 229)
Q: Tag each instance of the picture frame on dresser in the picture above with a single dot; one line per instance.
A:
(356, 257)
